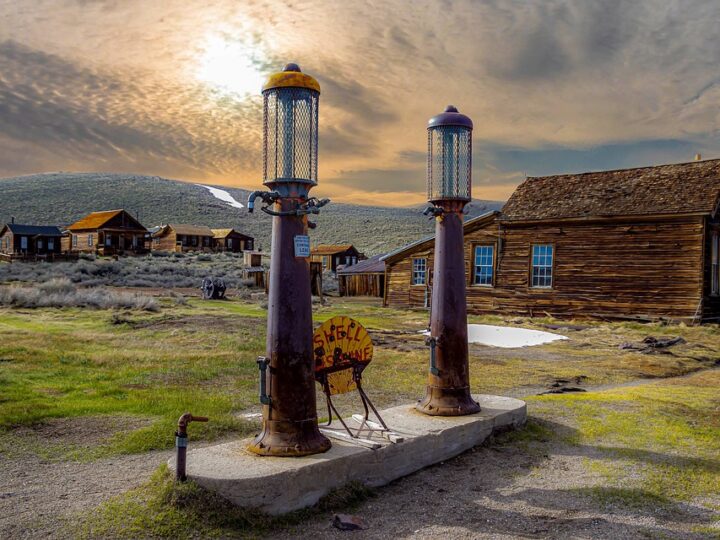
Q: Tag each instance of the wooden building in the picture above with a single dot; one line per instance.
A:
(181, 238)
(231, 240)
(365, 278)
(331, 256)
(113, 232)
(635, 243)
(30, 241)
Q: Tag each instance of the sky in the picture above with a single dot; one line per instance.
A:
(172, 88)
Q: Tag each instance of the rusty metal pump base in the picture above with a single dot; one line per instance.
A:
(290, 439)
(447, 402)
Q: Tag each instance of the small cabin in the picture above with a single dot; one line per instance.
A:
(365, 278)
(232, 240)
(19, 241)
(331, 256)
(182, 238)
(639, 243)
(112, 232)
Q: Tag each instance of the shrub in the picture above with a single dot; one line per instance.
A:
(164, 271)
(64, 294)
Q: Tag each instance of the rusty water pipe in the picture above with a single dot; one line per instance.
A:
(181, 443)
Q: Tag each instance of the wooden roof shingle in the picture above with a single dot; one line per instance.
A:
(330, 249)
(190, 230)
(373, 265)
(680, 188)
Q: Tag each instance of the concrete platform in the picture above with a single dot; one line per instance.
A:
(278, 485)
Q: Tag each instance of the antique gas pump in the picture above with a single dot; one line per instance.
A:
(287, 381)
(448, 183)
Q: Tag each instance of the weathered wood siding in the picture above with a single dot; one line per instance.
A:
(711, 302)
(82, 242)
(603, 268)
(165, 242)
(361, 284)
(7, 242)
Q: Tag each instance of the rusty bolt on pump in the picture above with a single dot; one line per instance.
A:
(181, 442)
(287, 381)
(449, 185)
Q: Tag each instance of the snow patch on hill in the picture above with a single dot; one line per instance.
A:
(223, 195)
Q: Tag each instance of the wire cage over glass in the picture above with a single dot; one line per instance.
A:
(290, 127)
(449, 158)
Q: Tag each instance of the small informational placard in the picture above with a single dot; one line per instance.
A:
(302, 246)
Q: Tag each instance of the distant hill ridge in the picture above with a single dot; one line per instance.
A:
(62, 198)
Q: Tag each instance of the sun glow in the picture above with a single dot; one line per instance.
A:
(231, 66)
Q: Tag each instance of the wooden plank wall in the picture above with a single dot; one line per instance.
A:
(361, 285)
(166, 242)
(711, 302)
(615, 269)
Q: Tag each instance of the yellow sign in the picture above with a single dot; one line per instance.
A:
(342, 350)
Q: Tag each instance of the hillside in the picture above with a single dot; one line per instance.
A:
(62, 198)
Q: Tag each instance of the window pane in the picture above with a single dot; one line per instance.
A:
(542, 262)
(483, 269)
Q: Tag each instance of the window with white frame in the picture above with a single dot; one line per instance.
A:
(715, 267)
(90, 239)
(51, 244)
(542, 265)
(419, 271)
(483, 265)
(23, 243)
(74, 240)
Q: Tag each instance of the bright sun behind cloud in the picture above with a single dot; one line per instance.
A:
(230, 66)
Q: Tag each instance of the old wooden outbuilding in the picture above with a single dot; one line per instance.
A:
(365, 278)
(19, 241)
(112, 232)
(232, 240)
(181, 237)
(633, 243)
(331, 256)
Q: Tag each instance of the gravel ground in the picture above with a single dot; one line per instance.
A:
(501, 492)
(38, 496)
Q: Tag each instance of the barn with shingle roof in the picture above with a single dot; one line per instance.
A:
(633, 243)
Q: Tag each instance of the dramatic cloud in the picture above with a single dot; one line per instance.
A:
(170, 88)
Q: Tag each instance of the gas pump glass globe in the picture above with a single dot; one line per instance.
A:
(290, 127)
(449, 162)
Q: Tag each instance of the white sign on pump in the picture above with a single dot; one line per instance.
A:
(302, 246)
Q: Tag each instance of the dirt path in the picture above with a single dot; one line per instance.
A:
(36, 494)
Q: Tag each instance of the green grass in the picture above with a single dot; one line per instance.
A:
(70, 363)
(655, 445)
(665, 434)
(162, 508)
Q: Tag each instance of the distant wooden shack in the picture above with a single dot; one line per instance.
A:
(253, 268)
(365, 278)
(634, 243)
(113, 232)
(331, 256)
(182, 238)
(232, 240)
(19, 241)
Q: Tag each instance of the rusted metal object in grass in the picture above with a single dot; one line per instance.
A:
(181, 442)
(343, 349)
(213, 288)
